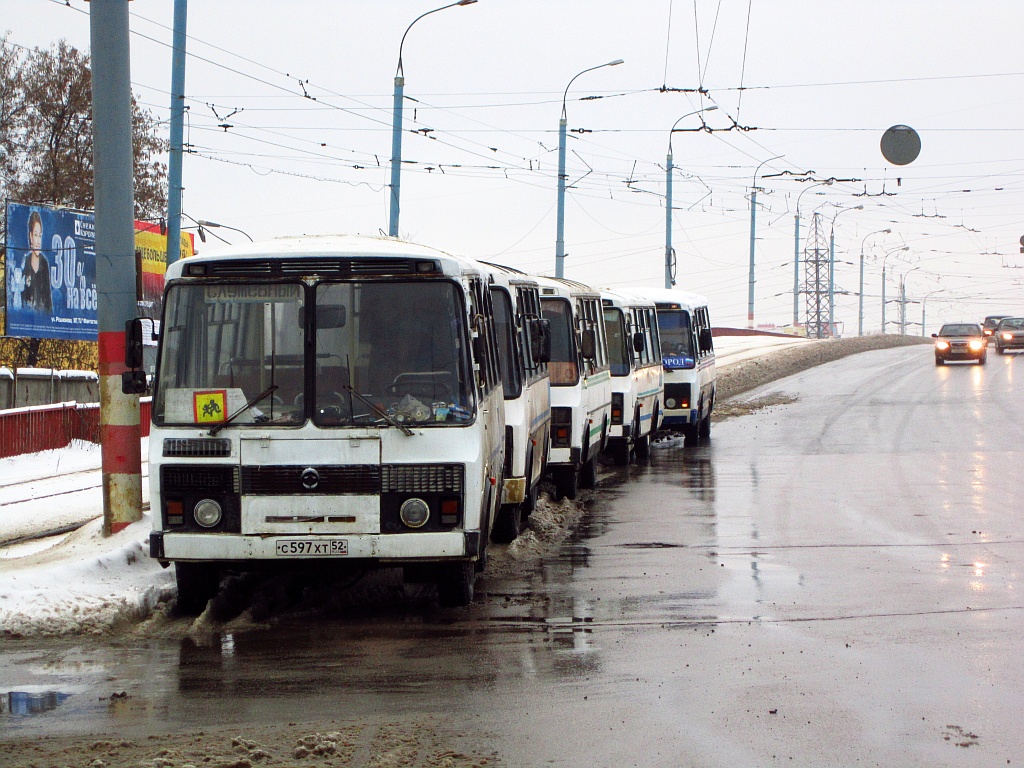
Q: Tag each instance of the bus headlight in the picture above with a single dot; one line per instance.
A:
(414, 513)
(207, 513)
(670, 402)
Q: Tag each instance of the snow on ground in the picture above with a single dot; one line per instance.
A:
(78, 581)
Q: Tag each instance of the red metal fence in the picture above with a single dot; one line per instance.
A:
(44, 427)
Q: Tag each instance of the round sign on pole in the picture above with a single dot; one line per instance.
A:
(901, 145)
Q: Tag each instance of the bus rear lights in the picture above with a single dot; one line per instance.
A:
(207, 513)
(414, 513)
(616, 408)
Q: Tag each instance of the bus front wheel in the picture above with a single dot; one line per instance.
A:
(198, 583)
(455, 584)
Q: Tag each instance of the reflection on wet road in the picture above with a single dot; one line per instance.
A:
(828, 582)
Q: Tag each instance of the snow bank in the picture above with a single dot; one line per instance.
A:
(89, 584)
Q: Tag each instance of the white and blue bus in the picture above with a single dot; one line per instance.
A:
(580, 383)
(524, 347)
(688, 359)
(634, 357)
(326, 401)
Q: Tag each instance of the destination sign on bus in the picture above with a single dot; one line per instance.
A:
(254, 294)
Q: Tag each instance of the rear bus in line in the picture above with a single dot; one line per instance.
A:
(524, 347)
(688, 359)
(634, 357)
(326, 402)
(580, 383)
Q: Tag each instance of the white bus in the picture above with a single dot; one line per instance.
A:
(634, 355)
(580, 383)
(326, 401)
(688, 357)
(524, 347)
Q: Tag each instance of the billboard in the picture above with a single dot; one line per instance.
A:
(50, 272)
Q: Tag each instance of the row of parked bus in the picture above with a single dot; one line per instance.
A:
(343, 402)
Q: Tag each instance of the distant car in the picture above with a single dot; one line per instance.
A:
(989, 326)
(960, 341)
(1009, 334)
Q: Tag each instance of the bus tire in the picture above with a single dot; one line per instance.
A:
(507, 525)
(588, 472)
(620, 452)
(566, 483)
(642, 447)
(455, 584)
(704, 428)
(198, 583)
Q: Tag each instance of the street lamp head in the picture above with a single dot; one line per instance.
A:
(609, 64)
(466, 2)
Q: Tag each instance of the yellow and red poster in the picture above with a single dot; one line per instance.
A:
(152, 247)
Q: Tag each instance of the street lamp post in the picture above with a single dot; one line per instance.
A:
(860, 293)
(753, 222)
(560, 221)
(832, 268)
(884, 260)
(903, 301)
(796, 254)
(669, 278)
(396, 126)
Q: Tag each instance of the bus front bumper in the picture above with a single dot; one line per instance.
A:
(397, 547)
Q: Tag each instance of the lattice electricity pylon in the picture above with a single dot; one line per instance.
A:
(816, 258)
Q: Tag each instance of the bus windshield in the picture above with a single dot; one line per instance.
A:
(394, 347)
(676, 338)
(384, 352)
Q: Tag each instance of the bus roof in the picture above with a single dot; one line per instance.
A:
(331, 246)
(625, 297)
(684, 299)
(560, 286)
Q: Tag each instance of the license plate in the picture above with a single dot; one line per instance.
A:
(312, 547)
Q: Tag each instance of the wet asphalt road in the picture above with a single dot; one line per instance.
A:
(833, 581)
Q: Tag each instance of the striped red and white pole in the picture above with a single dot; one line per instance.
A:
(116, 299)
(120, 439)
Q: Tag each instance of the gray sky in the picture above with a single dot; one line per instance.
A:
(816, 83)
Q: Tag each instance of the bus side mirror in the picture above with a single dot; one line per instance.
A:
(705, 339)
(588, 344)
(133, 381)
(133, 343)
(638, 342)
(540, 340)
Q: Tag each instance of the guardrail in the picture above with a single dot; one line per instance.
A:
(45, 427)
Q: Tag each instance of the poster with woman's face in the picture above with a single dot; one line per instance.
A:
(50, 273)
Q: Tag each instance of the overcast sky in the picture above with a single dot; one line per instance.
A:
(289, 127)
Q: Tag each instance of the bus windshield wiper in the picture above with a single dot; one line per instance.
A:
(272, 388)
(379, 411)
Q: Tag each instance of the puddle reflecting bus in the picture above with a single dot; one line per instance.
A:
(326, 401)
(580, 383)
(524, 346)
(688, 360)
(634, 358)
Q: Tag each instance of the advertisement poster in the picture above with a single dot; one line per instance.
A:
(49, 275)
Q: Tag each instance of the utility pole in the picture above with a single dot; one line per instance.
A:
(120, 439)
(175, 160)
